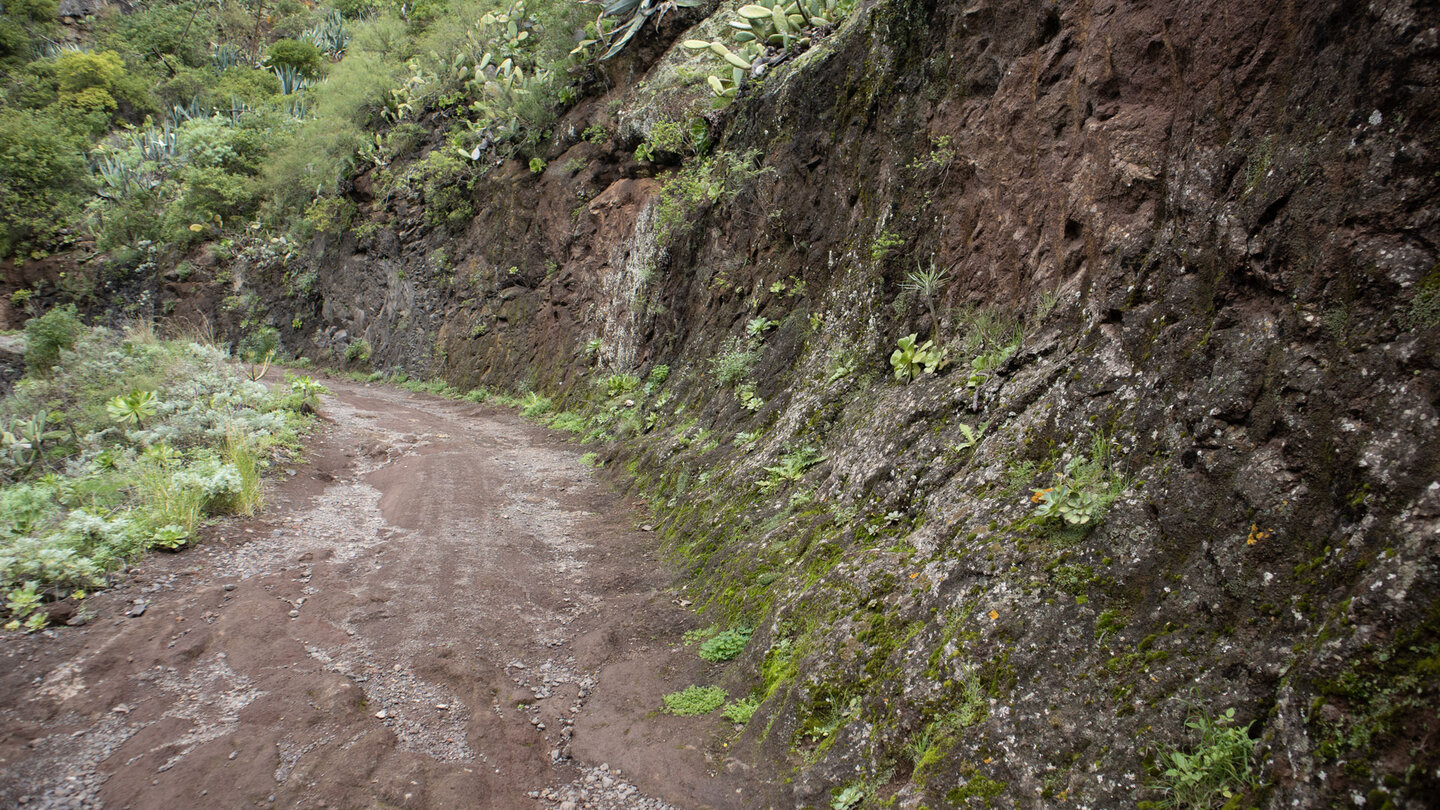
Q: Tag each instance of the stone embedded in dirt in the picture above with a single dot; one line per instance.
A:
(137, 609)
(61, 612)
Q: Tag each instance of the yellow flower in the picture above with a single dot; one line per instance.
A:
(994, 615)
(196, 227)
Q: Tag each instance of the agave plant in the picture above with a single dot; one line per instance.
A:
(636, 14)
(291, 79)
(225, 57)
(330, 35)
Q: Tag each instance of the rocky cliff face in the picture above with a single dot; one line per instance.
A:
(1185, 267)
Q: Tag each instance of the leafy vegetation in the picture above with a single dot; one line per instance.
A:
(740, 711)
(693, 700)
(203, 125)
(761, 29)
(726, 645)
(792, 467)
(123, 443)
(708, 181)
(1082, 493)
(909, 360)
(1219, 768)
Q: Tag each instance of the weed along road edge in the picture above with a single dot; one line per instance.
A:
(440, 609)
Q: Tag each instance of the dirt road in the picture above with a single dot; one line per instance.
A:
(441, 609)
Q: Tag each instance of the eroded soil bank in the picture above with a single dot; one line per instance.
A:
(441, 609)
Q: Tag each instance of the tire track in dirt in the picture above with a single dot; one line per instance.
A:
(442, 610)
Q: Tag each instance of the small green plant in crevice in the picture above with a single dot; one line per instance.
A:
(358, 352)
(1082, 493)
(595, 133)
(910, 360)
(534, 405)
(1424, 309)
(884, 243)
(618, 384)
(792, 467)
(740, 711)
(693, 700)
(726, 645)
(1219, 767)
(1109, 623)
(734, 362)
(537, 165)
(592, 460)
(663, 137)
(989, 337)
(758, 326)
(976, 786)
(710, 180)
(848, 797)
(700, 633)
(748, 398)
(969, 437)
(927, 284)
(942, 154)
(926, 749)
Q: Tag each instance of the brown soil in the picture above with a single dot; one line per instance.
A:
(442, 608)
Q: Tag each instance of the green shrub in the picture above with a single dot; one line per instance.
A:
(694, 700)
(358, 352)
(734, 362)
(533, 405)
(196, 440)
(48, 335)
(727, 645)
(569, 421)
(172, 29)
(35, 11)
(355, 9)
(95, 80)
(708, 181)
(259, 343)
(618, 384)
(43, 174)
(297, 54)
